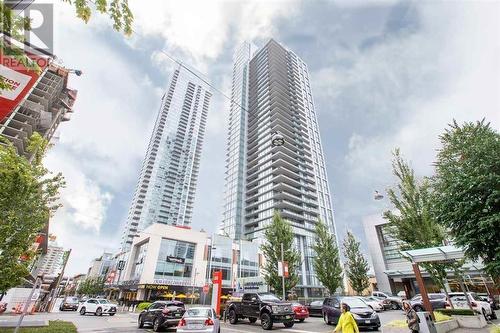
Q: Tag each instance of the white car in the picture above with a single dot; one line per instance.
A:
(199, 320)
(97, 306)
(460, 302)
(374, 304)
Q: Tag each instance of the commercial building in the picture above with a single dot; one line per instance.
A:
(271, 93)
(394, 272)
(172, 261)
(48, 104)
(167, 182)
(99, 267)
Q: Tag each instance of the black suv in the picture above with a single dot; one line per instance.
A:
(264, 306)
(162, 314)
(364, 315)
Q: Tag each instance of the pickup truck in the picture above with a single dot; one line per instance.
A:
(265, 307)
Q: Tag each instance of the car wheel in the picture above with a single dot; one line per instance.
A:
(266, 322)
(98, 312)
(302, 320)
(156, 325)
(252, 320)
(111, 314)
(140, 322)
(327, 319)
(394, 306)
(233, 318)
(82, 311)
(288, 324)
(484, 314)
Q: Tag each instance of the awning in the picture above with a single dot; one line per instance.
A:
(432, 254)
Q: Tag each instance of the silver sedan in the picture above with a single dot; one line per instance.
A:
(199, 320)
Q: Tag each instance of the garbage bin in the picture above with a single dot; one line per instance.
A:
(426, 323)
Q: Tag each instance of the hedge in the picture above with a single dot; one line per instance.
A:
(456, 312)
(143, 306)
(55, 326)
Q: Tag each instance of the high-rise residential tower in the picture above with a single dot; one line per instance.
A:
(167, 183)
(271, 93)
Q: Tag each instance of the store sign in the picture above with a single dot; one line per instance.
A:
(251, 284)
(156, 286)
(174, 282)
(121, 265)
(175, 260)
(130, 282)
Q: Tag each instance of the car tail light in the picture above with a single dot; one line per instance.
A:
(165, 311)
(182, 323)
(209, 322)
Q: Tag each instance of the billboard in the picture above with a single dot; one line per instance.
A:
(19, 80)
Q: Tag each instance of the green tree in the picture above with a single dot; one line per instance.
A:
(466, 190)
(16, 25)
(277, 233)
(91, 287)
(412, 201)
(327, 261)
(356, 264)
(28, 197)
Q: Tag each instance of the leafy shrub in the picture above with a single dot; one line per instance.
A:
(495, 329)
(143, 306)
(455, 312)
(441, 317)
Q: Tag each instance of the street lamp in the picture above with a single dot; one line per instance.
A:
(378, 196)
(277, 139)
(77, 72)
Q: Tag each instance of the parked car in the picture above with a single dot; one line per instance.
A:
(301, 312)
(374, 304)
(315, 308)
(161, 314)
(437, 300)
(69, 303)
(460, 302)
(401, 294)
(380, 301)
(199, 320)
(265, 307)
(97, 306)
(394, 301)
(490, 299)
(365, 316)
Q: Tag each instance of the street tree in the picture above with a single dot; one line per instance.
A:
(17, 26)
(466, 190)
(277, 233)
(327, 260)
(91, 287)
(411, 222)
(28, 197)
(356, 264)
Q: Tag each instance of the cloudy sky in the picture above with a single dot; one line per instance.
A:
(384, 75)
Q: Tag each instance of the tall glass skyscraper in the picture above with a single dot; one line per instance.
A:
(271, 93)
(167, 183)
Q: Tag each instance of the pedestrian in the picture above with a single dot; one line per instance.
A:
(346, 323)
(411, 318)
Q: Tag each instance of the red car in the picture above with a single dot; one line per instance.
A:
(301, 312)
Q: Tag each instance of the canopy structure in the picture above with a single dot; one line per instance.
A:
(433, 254)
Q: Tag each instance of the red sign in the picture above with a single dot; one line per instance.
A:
(20, 80)
(285, 268)
(205, 289)
(217, 291)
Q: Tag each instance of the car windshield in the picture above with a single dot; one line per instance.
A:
(198, 312)
(268, 297)
(317, 303)
(416, 298)
(72, 300)
(475, 297)
(354, 302)
(103, 301)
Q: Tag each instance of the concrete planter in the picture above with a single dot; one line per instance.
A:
(446, 326)
(386, 329)
(476, 321)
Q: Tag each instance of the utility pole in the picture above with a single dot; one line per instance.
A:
(283, 270)
(28, 302)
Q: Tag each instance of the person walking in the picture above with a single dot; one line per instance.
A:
(411, 318)
(346, 323)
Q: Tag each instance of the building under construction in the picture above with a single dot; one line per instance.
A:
(48, 104)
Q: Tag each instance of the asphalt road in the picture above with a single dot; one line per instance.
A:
(127, 323)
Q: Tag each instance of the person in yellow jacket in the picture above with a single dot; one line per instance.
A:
(346, 323)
